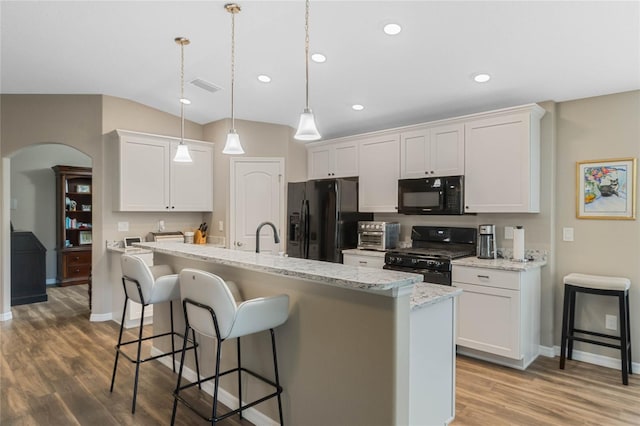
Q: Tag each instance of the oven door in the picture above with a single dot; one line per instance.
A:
(421, 196)
(371, 240)
(430, 276)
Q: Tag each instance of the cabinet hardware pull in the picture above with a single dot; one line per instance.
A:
(363, 262)
(483, 276)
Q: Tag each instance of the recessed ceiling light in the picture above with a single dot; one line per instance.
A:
(357, 107)
(482, 77)
(318, 57)
(392, 29)
(264, 78)
(185, 101)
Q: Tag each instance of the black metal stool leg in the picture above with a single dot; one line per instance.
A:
(572, 322)
(177, 391)
(195, 355)
(565, 324)
(115, 364)
(624, 352)
(239, 379)
(275, 367)
(173, 345)
(628, 320)
(216, 385)
(135, 383)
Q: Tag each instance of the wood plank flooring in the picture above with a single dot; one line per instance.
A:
(55, 369)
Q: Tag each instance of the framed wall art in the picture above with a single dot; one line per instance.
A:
(606, 188)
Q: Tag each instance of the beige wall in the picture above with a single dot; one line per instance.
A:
(590, 129)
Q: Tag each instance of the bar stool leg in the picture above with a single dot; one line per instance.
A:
(623, 338)
(239, 379)
(628, 320)
(572, 322)
(177, 391)
(216, 385)
(275, 367)
(135, 383)
(173, 345)
(195, 355)
(115, 364)
(565, 325)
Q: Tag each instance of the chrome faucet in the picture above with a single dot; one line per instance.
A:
(276, 239)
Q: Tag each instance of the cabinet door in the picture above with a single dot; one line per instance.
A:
(447, 150)
(192, 183)
(489, 320)
(499, 174)
(345, 161)
(144, 175)
(414, 153)
(379, 173)
(319, 162)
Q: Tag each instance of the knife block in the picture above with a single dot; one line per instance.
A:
(199, 237)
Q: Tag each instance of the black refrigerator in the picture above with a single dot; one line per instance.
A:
(323, 218)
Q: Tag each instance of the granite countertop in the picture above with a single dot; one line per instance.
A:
(360, 252)
(129, 250)
(502, 264)
(425, 294)
(335, 274)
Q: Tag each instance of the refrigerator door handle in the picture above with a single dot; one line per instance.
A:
(305, 229)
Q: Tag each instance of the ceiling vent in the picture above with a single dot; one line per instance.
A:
(206, 85)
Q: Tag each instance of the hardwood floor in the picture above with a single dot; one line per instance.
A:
(55, 369)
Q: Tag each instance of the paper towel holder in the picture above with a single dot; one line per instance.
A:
(518, 245)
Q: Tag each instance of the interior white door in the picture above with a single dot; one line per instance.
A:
(257, 195)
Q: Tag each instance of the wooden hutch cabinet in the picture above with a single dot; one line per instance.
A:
(73, 224)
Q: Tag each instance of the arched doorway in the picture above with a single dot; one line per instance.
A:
(32, 194)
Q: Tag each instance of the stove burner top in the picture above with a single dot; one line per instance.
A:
(432, 253)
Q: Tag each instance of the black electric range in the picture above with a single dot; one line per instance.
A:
(431, 252)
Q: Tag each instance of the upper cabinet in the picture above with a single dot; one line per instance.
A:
(149, 180)
(502, 161)
(435, 151)
(333, 160)
(379, 172)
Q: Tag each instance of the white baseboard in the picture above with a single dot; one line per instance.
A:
(6, 316)
(548, 351)
(251, 414)
(101, 317)
(51, 281)
(601, 360)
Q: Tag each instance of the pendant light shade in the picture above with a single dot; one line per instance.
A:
(307, 129)
(182, 154)
(233, 146)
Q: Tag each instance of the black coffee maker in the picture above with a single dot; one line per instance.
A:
(487, 242)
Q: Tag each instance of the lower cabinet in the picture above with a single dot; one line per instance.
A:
(498, 314)
(369, 261)
(74, 266)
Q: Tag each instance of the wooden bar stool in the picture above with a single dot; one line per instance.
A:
(606, 286)
(147, 286)
(211, 309)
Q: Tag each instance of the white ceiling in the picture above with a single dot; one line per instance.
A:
(535, 51)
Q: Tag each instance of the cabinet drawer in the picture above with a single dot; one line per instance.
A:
(366, 261)
(77, 271)
(486, 277)
(79, 258)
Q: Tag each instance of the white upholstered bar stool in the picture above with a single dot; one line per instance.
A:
(147, 285)
(211, 309)
(606, 286)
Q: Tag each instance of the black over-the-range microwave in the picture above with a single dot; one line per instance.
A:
(433, 195)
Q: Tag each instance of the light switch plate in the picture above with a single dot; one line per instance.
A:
(611, 322)
(123, 226)
(567, 234)
(508, 232)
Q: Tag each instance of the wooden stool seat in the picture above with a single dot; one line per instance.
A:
(605, 286)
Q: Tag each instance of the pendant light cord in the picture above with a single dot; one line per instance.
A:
(306, 50)
(181, 93)
(233, 65)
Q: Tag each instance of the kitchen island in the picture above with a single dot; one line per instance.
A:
(361, 346)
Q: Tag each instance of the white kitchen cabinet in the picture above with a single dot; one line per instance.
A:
(379, 173)
(333, 160)
(502, 161)
(149, 180)
(369, 261)
(498, 314)
(435, 151)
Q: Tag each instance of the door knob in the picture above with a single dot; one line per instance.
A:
(239, 243)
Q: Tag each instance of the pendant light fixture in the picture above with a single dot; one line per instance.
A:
(232, 146)
(182, 154)
(307, 130)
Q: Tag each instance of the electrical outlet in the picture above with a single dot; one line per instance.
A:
(123, 226)
(508, 232)
(567, 234)
(220, 226)
(611, 322)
